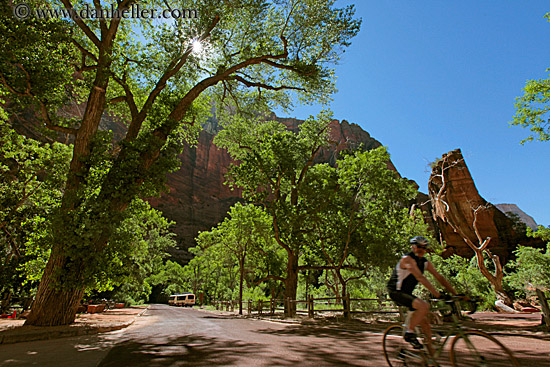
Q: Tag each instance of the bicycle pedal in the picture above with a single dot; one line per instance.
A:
(412, 340)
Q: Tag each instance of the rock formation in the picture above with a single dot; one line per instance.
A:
(197, 198)
(343, 135)
(524, 217)
(457, 203)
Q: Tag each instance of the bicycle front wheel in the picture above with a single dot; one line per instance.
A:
(397, 352)
(476, 348)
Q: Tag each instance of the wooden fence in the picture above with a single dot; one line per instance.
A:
(314, 306)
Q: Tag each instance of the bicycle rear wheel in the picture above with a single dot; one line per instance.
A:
(397, 352)
(476, 348)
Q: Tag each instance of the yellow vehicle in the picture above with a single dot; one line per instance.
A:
(182, 300)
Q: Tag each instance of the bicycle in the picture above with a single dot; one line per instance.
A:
(469, 347)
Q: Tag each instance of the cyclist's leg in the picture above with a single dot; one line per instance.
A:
(427, 330)
(421, 309)
(403, 299)
(408, 300)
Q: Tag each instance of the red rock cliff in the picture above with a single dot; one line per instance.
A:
(455, 200)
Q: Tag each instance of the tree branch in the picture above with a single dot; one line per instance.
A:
(102, 22)
(262, 85)
(275, 277)
(27, 92)
(86, 68)
(287, 67)
(172, 70)
(358, 276)
(43, 109)
(278, 236)
(118, 99)
(87, 31)
(129, 97)
(108, 35)
(83, 50)
(179, 111)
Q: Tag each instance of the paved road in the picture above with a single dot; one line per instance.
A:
(168, 336)
(177, 337)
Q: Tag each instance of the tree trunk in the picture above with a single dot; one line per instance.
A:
(307, 284)
(67, 272)
(6, 302)
(494, 279)
(345, 301)
(545, 309)
(241, 282)
(55, 304)
(291, 284)
(57, 299)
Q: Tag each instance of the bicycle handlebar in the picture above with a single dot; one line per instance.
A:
(452, 299)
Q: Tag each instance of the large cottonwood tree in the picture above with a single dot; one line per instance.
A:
(161, 78)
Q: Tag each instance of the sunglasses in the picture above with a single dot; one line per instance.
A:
(422, 247)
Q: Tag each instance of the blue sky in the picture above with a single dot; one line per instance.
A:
(426, 77)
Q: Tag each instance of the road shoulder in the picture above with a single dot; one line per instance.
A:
(13, 331)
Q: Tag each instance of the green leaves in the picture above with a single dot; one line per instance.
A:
(37, 60)
(532, 269)
(241, 244)
(352, 216)
(362, 217)
(32, 175)
(532, 108)
(136, 250)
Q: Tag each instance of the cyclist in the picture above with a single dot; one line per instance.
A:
(406, 275)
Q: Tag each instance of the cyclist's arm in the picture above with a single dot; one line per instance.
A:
(408, 263)
(440, 278)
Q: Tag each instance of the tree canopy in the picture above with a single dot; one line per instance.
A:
(274, 164)
(31, 187)
(244, 237)
(351, 216)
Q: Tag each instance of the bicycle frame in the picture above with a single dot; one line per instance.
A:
(452, 330)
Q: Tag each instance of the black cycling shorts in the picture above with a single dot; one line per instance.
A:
(403, 299)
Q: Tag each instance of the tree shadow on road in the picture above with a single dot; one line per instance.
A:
(532, 357)
(222, 317)
(367, 345)
(317, 331)
(297, 345)
(338, 347)
(179, 351)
